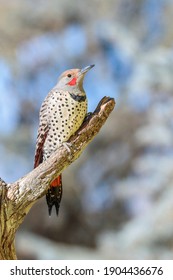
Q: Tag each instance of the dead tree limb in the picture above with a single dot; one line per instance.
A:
(17, 198)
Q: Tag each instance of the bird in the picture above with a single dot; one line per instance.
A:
(61, 114)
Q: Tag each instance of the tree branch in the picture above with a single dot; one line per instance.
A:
(17, 198)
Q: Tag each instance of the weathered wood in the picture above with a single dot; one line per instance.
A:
(17, 198)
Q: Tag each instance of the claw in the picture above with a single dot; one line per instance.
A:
(87, 116)
(67, 146)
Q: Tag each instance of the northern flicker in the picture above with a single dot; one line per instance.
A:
(61, 114)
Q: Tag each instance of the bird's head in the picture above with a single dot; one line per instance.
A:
(73, 79)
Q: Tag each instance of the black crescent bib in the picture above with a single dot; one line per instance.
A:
(78, 97)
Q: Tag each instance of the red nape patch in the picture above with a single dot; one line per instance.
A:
(72, 82)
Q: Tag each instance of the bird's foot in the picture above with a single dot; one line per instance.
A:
(88, 115)
(67, 146)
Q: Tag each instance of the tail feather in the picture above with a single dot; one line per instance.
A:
(54, 195)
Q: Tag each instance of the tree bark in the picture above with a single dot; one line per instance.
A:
(17, 198)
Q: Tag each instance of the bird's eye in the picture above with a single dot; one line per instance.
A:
(69, 75)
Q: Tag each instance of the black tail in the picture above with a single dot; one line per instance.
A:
(53, 197)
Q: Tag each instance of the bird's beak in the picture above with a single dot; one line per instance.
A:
(86, 69)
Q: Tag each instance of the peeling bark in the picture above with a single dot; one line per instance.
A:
(17, 198)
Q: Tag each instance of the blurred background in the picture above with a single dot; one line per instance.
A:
(118, 196)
